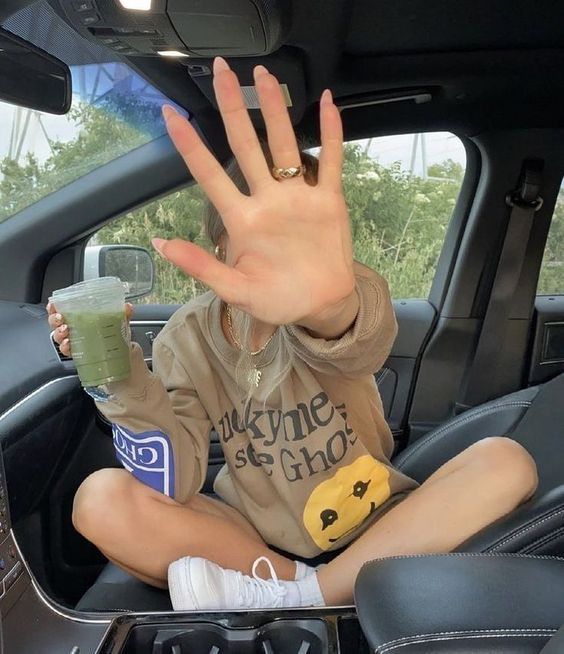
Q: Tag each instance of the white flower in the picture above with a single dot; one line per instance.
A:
(421, 198)
(369, 174)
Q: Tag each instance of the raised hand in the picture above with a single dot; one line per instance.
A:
(289, 243)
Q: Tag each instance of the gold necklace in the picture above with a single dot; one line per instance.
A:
(255, 374)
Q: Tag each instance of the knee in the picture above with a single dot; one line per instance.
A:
(99, 502)
(509, 464)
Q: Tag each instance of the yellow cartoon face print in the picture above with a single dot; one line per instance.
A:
(341, 503)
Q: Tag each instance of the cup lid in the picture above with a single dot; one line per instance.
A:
(89, 288)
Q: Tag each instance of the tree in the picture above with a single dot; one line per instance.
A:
(398, 220)
(551, 280)
(101, 136)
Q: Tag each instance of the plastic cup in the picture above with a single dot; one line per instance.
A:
(94, 310)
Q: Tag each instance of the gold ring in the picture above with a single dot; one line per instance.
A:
(288, 173)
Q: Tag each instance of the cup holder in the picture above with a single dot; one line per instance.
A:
(292, 636)
(278, 637)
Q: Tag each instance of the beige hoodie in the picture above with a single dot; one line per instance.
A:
(309, 464)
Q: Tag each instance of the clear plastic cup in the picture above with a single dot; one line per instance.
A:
(94, 310)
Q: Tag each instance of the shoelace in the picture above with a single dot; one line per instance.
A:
(258, 592)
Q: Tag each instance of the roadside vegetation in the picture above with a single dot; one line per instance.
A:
(398, 220)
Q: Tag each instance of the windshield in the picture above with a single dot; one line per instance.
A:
(114, 111)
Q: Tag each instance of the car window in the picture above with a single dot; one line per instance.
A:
(177, 215)
(551, 279)
(114, 111)
(400, 190)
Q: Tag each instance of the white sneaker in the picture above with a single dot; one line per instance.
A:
(196, 584)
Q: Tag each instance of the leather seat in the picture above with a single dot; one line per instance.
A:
(462, 603)
(536, 527)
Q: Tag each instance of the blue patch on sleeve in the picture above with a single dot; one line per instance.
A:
(148, 456)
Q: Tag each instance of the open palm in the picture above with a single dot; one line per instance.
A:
(289, 242)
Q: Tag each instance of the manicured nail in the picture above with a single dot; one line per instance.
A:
(158, 244)
(259, 71)
(220, 64)
(168, 112)
(326, 97)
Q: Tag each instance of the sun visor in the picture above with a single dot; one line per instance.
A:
(182, 28)
(285, 64)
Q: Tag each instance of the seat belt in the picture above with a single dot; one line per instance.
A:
(480, 382)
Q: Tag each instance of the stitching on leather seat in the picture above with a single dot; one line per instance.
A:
(544, 540)
(458, 635)
(531, 525)
(541, 557)
(460, 421)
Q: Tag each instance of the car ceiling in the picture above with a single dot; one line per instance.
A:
(483, 64)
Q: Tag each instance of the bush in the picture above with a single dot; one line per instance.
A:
(398, 220)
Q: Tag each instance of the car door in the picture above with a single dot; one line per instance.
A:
(547, 346)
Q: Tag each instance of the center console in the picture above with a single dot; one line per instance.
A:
(299, 631)
(11, 564)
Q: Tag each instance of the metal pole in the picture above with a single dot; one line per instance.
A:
(413, 153)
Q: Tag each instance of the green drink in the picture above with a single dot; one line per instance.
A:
(99, 335)
(99, 346)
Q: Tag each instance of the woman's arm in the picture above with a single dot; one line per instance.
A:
(160, 428)
(365, 344)
(335, 321)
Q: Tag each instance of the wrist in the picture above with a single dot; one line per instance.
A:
(334, 321)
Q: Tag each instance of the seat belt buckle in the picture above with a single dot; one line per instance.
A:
(514, 199)
(526, 195)
(461, 407)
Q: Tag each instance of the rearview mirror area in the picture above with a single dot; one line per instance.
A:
(130, 263)
(32, 78)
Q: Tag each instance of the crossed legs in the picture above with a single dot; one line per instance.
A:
(143, 531)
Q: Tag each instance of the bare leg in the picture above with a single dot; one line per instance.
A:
(143, 531)
(469, 492)
(152, 581)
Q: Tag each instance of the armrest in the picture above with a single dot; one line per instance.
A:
(536, 527)
(414, 604)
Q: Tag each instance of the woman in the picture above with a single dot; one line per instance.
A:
(279, 359)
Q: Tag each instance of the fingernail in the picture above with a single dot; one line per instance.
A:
(168, 112)
(62, 329)
(65, 341)
(326, 97)
(48, 307)
(220, 64)
(58, 317)
(259, 71)
(158, 244)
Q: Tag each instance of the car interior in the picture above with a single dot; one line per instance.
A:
(479, 353)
